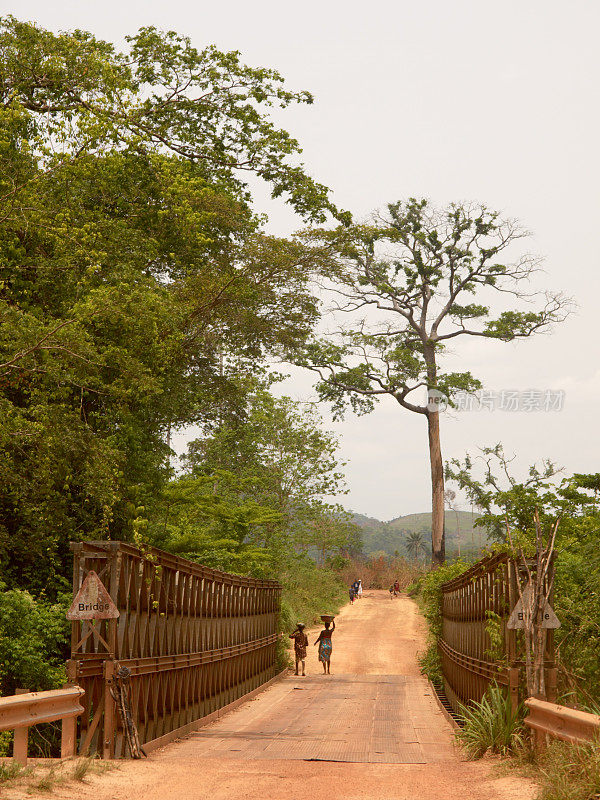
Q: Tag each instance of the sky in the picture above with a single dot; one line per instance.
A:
(496, 102)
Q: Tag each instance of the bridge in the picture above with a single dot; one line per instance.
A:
(372, 729)
(186, 672)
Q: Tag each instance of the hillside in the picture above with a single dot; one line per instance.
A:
(390, 537)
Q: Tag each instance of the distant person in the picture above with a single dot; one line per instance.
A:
(355, 586)
(300, 645)
(360, 589)
(351, 594)
(396, 587)
(325, 647)
(392, 593)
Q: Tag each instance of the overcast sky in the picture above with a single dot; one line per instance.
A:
(453, 100)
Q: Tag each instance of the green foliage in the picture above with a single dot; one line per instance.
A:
(577, 605)
(255, 491)
(6, 738)
(136, 285)
(32, 642)
(494, 628)
(570, 772)
(214, 519)
(575, 499)
(416, 269)
(205, 106)
(502, 497)
(430, 599)
(491, 725)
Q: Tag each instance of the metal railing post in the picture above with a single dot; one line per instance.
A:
(21, 739)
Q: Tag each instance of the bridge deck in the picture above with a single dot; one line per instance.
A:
(389, 719)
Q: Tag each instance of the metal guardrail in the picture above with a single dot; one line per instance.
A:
(567, 724)
(20, 711)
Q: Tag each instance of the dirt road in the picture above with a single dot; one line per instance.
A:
(371, 730)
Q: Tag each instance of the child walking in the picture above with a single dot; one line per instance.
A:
(300, 645)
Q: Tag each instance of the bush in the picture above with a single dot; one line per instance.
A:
(429, 598)
(491, 725)
(308, 591)
(33, 642)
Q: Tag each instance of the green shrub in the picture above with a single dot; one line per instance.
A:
(429, 598)
(33, 642)
(491, 725)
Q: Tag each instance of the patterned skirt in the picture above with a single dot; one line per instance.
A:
(300, 651)
(325, 650)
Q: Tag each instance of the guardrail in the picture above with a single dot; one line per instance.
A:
(561, 722)
(20, 711)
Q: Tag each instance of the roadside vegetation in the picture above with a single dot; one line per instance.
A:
(39, 778)
(140, 295)
(565, 772)
(491, 726)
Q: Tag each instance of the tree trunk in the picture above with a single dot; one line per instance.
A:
(438, 539)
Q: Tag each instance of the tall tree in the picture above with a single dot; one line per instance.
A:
(413, 280)
(135, 281)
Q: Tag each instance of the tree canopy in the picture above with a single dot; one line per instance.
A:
(136, 283)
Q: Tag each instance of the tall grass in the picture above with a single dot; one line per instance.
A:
(491, 725)
(570, 772)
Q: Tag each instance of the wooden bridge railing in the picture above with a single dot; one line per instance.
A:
(486, 593)
(193, 639)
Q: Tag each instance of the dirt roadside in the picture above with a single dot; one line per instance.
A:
(375, 636)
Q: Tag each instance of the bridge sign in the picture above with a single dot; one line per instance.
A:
(92, 601)
(517, 618)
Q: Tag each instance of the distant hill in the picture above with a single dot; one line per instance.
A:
(390, 537)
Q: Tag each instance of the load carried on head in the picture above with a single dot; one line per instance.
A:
(327, 617)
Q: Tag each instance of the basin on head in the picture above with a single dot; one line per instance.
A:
(327, 617)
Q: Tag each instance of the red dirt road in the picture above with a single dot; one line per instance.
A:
(369, 731)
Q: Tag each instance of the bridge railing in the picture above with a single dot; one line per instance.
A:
(472, 603)
(193, 639)
(23, 710)
(559, 722)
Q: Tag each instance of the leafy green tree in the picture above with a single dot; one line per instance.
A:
(162, 95)
(255, 491)
(214, 520)
(412, 281)
(509, 502)
(279, 443)
(135, 282)
(490, 484)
